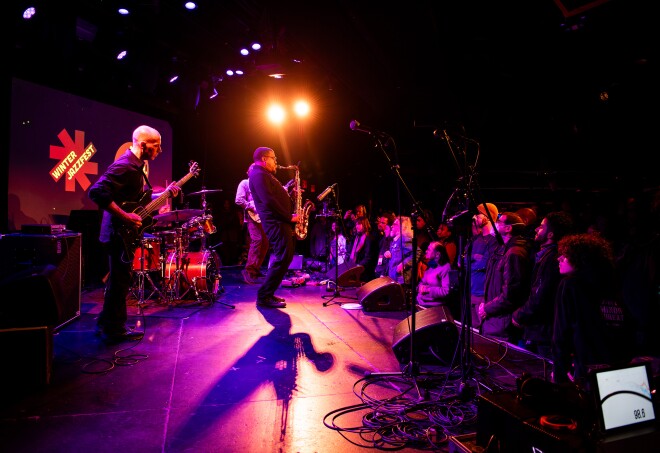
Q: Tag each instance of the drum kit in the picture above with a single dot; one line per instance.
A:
(177, 249)
(325, 211)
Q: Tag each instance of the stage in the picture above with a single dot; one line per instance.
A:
(225, 375)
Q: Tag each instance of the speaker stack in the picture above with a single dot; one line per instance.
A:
(40, 285)
(41, 281)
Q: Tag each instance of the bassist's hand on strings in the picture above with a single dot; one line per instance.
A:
(174, 190)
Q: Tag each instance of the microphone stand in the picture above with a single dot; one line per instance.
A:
(412, 369)
(467, 183)
(336, 294)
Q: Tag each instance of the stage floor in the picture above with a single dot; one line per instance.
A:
(320, 375)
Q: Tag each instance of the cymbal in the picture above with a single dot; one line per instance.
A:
(205, 191)
(178, 216)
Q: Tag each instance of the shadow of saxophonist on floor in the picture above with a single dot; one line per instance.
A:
(279, 358)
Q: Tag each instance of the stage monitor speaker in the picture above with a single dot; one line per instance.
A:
(381, 294)
(348, 274)
(435, 339)
(41, 282)
(296, 263)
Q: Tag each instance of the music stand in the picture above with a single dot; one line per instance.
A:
(336, 294)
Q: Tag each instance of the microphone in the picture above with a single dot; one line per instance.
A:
(458, 216)
(441, 133)
(326, 192)
(356, 126)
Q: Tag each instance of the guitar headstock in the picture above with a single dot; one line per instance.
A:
(194, 168)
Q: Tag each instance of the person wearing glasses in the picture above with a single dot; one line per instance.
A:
(508, 279)
(275, 208)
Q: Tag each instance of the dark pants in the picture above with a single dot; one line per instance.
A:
(258, 247)
(282, 248)
(113, 315)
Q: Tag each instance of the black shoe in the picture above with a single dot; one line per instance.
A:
(127, 335)
(270, 303)
(278, 299)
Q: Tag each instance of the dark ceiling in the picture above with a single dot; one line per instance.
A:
(545, 95)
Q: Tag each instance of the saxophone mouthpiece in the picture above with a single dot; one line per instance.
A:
(288, 167)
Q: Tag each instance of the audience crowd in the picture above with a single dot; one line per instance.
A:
(577, 284)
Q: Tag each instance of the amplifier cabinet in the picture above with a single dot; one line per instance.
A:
(40, 279)
(28, 354)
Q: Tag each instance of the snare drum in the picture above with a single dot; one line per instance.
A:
(147, 255)
(202, 271)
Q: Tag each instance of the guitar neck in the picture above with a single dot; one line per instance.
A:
(162, 198)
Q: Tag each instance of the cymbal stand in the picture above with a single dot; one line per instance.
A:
(204, 211)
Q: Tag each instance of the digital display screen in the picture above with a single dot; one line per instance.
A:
(624, 397)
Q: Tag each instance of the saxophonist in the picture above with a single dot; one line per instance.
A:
(274, 206)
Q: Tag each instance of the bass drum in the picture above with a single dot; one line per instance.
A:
(200, 273)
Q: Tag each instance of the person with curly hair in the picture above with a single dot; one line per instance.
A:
(591, 323)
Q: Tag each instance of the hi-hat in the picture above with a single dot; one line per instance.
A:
(205, 191)
(178, 216)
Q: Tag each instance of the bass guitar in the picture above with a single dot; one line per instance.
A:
(144, 208)
(254, 215)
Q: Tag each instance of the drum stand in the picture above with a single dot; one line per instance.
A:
(142, 275)
(173, 287)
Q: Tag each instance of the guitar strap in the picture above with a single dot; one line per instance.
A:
(146, 179)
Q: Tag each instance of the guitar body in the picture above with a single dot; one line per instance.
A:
(253, 215)
(131, 236)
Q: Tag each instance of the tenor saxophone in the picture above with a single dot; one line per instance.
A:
(302, 210)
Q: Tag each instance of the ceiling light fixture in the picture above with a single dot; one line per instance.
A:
(29, 13)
